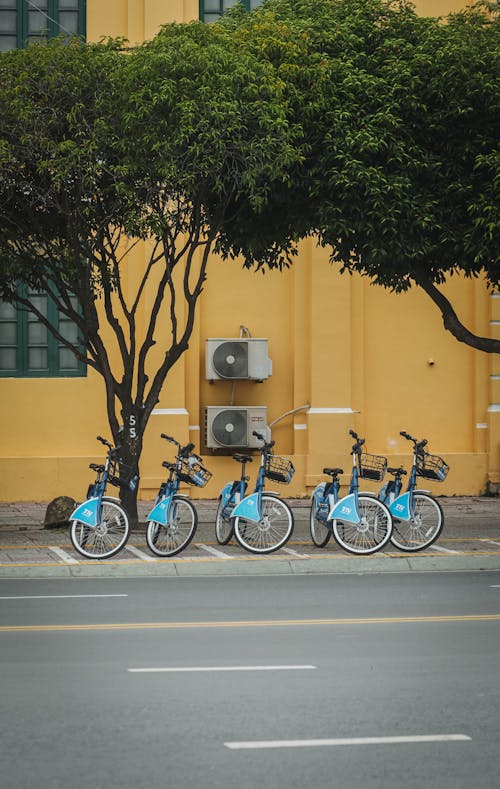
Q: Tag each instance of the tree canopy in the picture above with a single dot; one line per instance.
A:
(100, 149)
(401, 126)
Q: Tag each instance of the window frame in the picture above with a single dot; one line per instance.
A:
(202, 12)
(22, 33)
(53, 345)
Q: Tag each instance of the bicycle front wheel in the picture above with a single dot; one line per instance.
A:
(105, 539)
(177, 534)
(224, 528)
(371, 533)
(424, 527)
(320, 533)
(272, 531)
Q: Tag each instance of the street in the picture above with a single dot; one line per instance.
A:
(272, 681)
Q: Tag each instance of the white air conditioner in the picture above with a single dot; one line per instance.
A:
(232, 426)
(237, 358)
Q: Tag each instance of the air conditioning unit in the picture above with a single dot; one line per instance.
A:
(232, 426)
(237, 358)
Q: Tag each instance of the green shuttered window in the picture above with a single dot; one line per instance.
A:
(29, 350)
(22, 21)
(211, 10)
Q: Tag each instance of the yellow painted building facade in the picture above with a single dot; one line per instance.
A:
(345, 354)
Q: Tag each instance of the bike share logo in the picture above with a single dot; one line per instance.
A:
(345, 510)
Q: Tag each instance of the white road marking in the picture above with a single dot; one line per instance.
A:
(140, 554)
(443, 550)
(347, 741)
(493, 542)
(295, 553)
(67, 559)
(213, 551)
(176, 669)
(57, 596)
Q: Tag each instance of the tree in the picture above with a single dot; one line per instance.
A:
(100, 150)
(401, 115)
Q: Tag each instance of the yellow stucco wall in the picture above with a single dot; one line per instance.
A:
(359, 356)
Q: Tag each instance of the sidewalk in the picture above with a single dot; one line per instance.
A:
(470, 541)
(473, 510)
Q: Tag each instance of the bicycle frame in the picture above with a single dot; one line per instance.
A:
(161, 511)
(250, 507)
(163, 505)
(330, 507)
(90, 511)
(401, 505)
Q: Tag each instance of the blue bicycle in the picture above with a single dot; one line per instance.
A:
(360, 523)
(99, 526)
(230, 496)
(417, 516)
(261, 522)
(173, 521)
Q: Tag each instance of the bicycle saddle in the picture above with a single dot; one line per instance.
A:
(399, 470)
(333, 472)
(243, 458)
(96, 467)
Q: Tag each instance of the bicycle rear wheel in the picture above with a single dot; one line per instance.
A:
(177, 534)
(224, 528)
(422, 529)
(371, 533)
(272, 531)
(105, 539)
(320, 533)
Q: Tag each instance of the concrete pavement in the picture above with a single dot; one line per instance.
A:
(470, 541)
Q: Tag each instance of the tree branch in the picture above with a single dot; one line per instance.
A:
(451, 321)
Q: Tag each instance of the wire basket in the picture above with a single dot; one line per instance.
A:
(432, 467)
(372, 466)
(279, 469)
(194, 473)
(123, 476)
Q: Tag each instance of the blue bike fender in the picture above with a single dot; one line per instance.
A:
(87, 512)
(225, 493)
(249, 508)
(318, 493)
(161, 511)
(345, 510)
(400, 507)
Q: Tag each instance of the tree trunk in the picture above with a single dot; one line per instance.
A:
(130, 442)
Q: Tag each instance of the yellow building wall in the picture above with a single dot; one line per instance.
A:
(346, 355)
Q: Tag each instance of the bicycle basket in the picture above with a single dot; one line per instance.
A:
(372, 466)
(194, 473)
(121, 475)
(431, 467)
(279, 469)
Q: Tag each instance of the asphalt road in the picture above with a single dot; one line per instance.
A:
(274, 682)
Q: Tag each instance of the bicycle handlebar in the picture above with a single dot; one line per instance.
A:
(359, 441)
(419, 445)
(184, 452)
(267, 444)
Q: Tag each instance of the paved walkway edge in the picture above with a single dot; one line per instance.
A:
(170, 568)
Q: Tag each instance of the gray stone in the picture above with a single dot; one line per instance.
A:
(58, 512)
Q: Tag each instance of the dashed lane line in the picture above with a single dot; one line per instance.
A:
(404, 739)
(195, 669)
(56, 596)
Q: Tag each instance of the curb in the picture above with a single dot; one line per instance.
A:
(171, 568)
